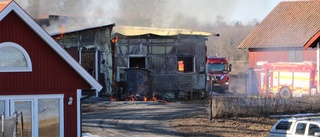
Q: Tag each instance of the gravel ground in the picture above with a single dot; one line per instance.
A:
(160, 119)
(134, 118)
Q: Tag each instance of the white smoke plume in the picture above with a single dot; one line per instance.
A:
(152, 13)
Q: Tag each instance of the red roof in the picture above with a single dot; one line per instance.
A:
(289, 24)
(3, 4)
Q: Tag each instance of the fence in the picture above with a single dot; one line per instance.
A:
(242, 106)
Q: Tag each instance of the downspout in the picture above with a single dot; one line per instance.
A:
(96, 69)
(250, 80)
(96, 62)
(318, 66)
(80, 50)
(79, 116)
(80, 55)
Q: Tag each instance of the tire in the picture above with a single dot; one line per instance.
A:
(285, 92)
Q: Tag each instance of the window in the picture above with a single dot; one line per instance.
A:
(283, 125)
(301, 127)
(158, 49)
(14, 58)
(217, 67)
(162, 50)
(42, 114)
(48, 112)
(295, 56)
(185, 64)
(138, 62)
(313, 129)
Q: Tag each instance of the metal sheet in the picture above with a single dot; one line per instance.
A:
(134, 31)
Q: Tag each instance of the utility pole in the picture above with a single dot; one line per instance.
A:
(210, 77)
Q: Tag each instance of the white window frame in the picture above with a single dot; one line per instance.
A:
(34, 99)
(28, 68)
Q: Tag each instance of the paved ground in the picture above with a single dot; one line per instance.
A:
(134, 119)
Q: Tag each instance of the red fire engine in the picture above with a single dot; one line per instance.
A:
(217, 71)
(289, 79)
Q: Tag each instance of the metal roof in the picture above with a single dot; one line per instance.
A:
(83, 29)
(289, 24)
(136, 31)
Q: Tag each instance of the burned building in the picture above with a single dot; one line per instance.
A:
(126, 59)
(89, 45)
(92, 48)
(176, 59)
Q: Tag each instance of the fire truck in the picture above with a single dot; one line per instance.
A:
(289, 79)
(217, 71)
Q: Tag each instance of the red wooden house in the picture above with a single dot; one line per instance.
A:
(284, 36)
(38, 77)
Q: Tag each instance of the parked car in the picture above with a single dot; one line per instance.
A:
(296, 127)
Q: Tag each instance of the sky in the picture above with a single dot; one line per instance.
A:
(161, 13)
(230, 10)
(204, 10)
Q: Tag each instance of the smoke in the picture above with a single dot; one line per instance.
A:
(152, 13)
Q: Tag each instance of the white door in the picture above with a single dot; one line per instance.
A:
(43, 115)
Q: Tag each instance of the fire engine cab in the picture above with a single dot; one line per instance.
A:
(217, 70)
(289, 79)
